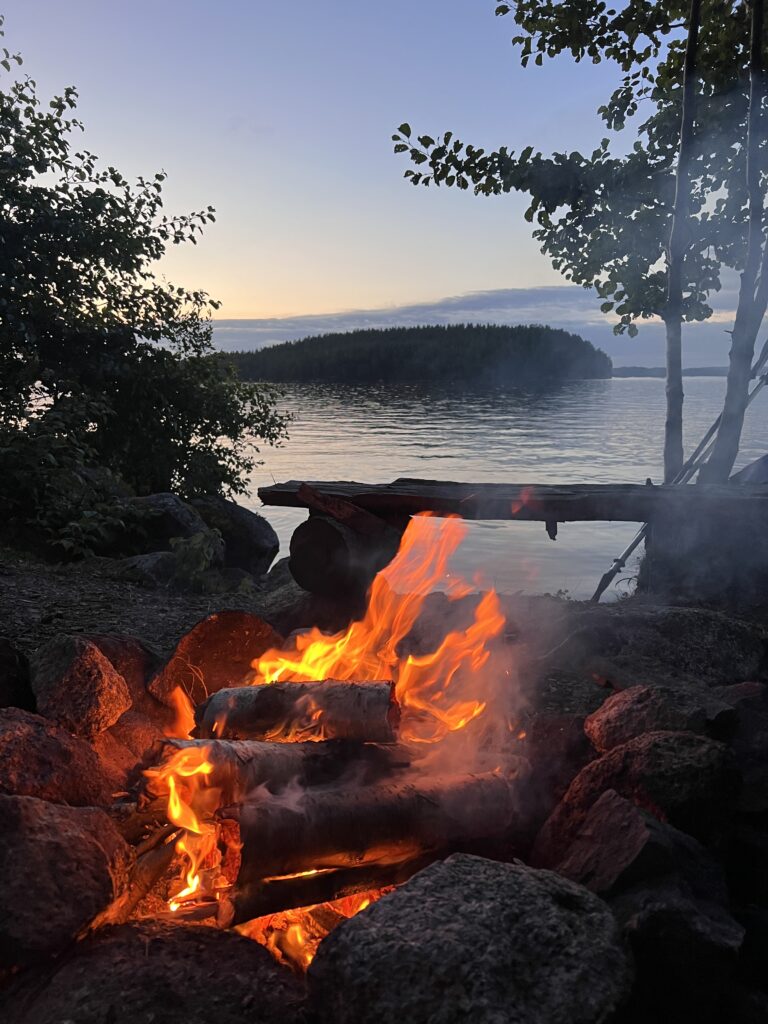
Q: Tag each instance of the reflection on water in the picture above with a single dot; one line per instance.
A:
(601, 431)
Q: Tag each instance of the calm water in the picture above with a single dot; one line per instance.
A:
(589, 431)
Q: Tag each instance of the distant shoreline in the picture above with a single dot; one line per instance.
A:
(659, 371)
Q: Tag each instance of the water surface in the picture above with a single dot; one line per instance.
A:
(601, 431)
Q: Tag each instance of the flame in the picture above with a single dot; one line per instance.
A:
(431, 689)
(191, 804)
(184, 720)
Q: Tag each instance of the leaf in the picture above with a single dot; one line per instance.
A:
(405, 130)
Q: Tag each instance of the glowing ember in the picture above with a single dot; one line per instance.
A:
(293, 936)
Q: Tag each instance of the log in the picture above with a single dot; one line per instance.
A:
(285, 712)
(329, 557)
(534, 502)
(241, 766)
(275, 895)
(353, 825)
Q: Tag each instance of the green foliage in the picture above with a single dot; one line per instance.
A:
(102, 362)
(460, 353)
(604, 218)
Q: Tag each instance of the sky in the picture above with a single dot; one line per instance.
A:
(280, 115)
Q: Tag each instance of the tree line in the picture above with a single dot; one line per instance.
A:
(525, 355)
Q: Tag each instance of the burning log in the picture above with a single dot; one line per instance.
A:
(274, 895)
(240, 766)
(283, 712)
(387, 823)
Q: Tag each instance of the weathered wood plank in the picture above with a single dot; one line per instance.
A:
(533, 502)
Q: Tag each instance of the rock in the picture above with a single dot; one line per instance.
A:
(15, 688)
(619, 845)
(749, 742)
(685, 953)
(661, 645)
(38, 758)
(250, 543)
(641, 709)
(473, 939)
(136, 662)
(165, 517)
(138, 732)
(147, 971)
(215, 653)
(152, 567)
(59, 868)
(76, 686)
(689, 780)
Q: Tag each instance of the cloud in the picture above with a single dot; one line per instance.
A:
(567, 306)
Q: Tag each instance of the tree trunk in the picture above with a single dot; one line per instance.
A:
(753, 291)
(678, 244)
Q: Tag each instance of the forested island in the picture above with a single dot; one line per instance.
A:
(456, 353)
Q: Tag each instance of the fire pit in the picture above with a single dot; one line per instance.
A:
(347, 765)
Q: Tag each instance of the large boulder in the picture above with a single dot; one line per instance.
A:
(59, 868)
(250, 542)
(39, 758)
(689, 780)
(147, 971)
(136, 662)
(216, 653)
(473, 939)
(77, 686)
(640, 709)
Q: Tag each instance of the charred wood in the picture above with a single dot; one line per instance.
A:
(386, 823)
(274, 895)
(363, 711)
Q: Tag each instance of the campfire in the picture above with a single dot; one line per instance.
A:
(347, 763)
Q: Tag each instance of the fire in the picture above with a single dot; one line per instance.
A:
(184, 714)
(439, 693)
(191, 804)
(431, 689)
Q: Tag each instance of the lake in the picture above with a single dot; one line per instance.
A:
(599, 431)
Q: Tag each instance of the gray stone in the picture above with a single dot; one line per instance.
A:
(39, 758)
(147, 972)
(473, 939)
(59, 868)
(165, 516)
(250, 542)
(76, 686)
(640, 709)
(152, 567)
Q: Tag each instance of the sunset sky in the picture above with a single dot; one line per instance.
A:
(280, 114)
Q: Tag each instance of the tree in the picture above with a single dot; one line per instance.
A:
(606, 219)
(102, 362)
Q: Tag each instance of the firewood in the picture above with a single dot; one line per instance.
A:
(274, 895)
(241, 766)
(385, 823)
(330, 557)
(364, 711)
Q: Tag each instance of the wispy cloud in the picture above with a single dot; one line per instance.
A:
(572, 308)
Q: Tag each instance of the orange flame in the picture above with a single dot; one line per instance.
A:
(431, 689)
(191, 803)
(184, 714)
